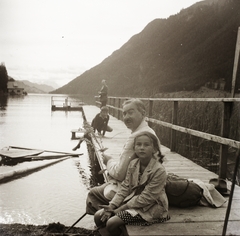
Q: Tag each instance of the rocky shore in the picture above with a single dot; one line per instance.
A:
(43, 230)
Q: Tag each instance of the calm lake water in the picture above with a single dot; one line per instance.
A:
(53, 194)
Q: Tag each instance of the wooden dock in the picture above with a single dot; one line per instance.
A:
(197, 220)
(66, 108)
(64, 103)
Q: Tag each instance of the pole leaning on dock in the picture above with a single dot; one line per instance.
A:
(76, 222)
(231, 193)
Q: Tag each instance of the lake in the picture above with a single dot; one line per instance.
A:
(53, 194)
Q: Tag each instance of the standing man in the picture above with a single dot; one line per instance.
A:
(134, 118)
(103, 94)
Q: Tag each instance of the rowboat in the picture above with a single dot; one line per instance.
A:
(13, 155)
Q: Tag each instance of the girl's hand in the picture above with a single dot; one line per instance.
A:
(106, 213)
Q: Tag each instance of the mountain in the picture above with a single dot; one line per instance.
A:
(184, 52)
(30, 87)
(38, 88)
(41, 87)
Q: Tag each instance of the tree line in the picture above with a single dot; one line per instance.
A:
(3, 78)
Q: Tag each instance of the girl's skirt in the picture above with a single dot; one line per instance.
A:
(130, 219)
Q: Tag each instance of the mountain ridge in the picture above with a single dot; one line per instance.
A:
(183, 52)
(31, 87)
(42, 88)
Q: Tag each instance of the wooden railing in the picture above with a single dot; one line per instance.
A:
(115, 109)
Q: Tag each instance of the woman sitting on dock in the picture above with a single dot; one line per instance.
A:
(141, 200)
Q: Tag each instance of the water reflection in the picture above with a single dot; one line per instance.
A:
(49, 195)
(3, 102)
(56, 193)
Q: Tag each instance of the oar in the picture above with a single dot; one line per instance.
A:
(67, 153)
(76, 222)
(52, 156)
(11, 161)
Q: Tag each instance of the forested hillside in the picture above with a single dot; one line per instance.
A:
(183, 52)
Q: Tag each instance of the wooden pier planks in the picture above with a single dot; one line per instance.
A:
(190, 221)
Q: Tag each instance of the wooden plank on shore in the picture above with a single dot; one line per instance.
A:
(186, 228)
(194, 214)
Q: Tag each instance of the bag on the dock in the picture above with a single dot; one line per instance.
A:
(181, 192)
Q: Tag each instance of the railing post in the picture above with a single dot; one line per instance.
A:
(235, 65)
(150, 110)
(118, 106)
(173, 132)
(226, 114)
(97, 101)
(114, 105)
(110, 103)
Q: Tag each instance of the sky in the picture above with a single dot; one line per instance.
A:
(57, 40)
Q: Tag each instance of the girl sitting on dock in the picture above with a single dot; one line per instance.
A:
(141, 200)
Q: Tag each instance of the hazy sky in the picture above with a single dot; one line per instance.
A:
(58, 40)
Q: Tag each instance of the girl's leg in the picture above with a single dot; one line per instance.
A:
(97, 218)
(78, 145)
(113, 225)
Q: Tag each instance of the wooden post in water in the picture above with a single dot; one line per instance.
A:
(174, 122)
